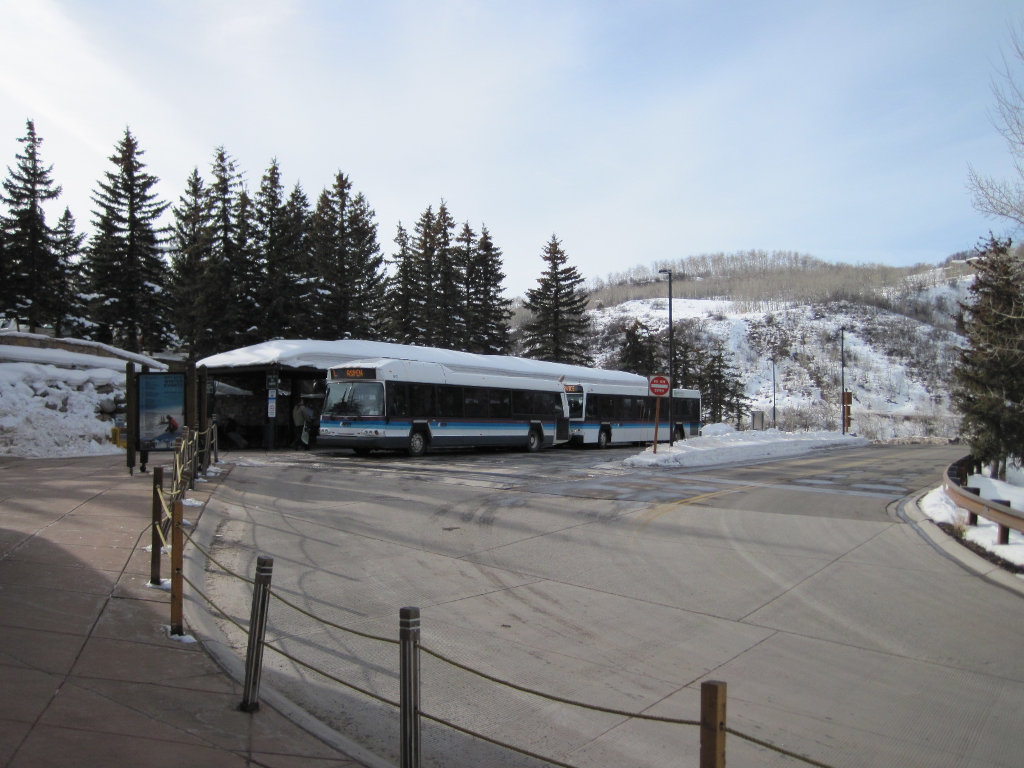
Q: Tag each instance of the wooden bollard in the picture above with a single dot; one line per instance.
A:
(177, 570)
(712, 724)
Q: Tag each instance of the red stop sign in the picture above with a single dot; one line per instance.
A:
(659, 385)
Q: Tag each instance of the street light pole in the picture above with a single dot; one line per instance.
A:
(842, 376)
(671, 362)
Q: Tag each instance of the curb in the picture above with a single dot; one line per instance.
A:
(908, 510)
(213, 641)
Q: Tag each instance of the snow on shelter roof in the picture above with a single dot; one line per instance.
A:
(321, 355)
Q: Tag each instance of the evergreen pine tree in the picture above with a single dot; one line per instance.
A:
(417, 273)
(446, 322)
(127, 273)
(225, 294)
(247, 278)
(31, 271)
(71, 310)
(369, 314)
(269, 242)
(559, 327)
(191, 251)
(348, 264)
(293, 274)
(402, 289)
(988, 385)
(487, 311)
(639, 351)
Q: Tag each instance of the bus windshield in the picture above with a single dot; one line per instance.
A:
(354, 398)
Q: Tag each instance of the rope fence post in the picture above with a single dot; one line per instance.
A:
(712, 724)
(157, 516)
(257, 632)
(177, 569)
(409, 685)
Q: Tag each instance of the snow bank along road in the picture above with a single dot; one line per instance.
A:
(842, 634)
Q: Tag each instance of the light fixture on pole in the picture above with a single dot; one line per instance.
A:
(671, 361)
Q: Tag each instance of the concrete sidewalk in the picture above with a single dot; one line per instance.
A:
(88, 673)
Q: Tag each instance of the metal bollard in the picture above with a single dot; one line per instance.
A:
(257, 631)
(712, 724)
(409, 685)
(157, 515)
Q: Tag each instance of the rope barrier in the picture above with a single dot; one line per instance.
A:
(775, 748)
(559, 699)
(489, 740)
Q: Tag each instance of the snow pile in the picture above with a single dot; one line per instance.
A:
(939, 507)
(47, 411)
(721, 444)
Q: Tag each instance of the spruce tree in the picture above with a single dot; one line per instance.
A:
(191, 249)
(988, 385)
(446, 322)
(348, 265)
(71, 309)
(487, 311)
(31, 271)
(402, 289)
(368, 317)
(226, 290)
(298, 298)
(270, 243)
(639, 350)
(125, 265)
(559, 328)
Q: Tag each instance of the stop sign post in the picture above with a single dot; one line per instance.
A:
(659, 386)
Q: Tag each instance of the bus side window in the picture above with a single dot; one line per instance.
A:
(421, 400)
(500, 403)
(449, 401)
(476, 402)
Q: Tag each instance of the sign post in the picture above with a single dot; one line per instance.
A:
(659, 386)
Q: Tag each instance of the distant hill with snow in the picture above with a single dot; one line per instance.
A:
(899, 352)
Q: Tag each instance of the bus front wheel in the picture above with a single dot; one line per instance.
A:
(417, 444)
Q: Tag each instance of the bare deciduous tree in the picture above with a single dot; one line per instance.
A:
(1004, 198)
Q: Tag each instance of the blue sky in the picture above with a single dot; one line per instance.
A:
(635, 131)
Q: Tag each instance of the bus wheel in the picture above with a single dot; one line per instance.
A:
(604, 438)
(417, 444)
(680, 433)
(533, 441)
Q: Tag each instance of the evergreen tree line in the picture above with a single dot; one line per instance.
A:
(236, 268)
(988, 385)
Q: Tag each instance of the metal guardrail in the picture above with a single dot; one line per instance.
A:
(994, 510)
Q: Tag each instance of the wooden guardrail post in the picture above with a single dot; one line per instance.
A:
(158, 517)
(257, 632)
(409, 686)
(177, 569)
(712, 724)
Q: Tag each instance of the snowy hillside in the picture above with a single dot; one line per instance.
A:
(896, 367)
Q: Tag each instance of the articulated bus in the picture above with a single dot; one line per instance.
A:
(607, 414)
(413, 405)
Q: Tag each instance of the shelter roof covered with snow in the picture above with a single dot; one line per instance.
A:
(321, 355)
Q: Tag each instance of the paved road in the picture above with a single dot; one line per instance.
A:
(842, 634)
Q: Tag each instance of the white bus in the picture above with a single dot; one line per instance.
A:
(414, 405)
(608, 414)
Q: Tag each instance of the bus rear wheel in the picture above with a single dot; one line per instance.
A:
(533, 441)
(417, 444)
(604, 438)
